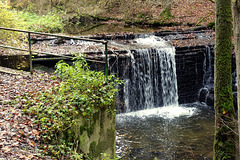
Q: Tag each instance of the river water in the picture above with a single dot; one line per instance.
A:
(171, 132)
(160, 128)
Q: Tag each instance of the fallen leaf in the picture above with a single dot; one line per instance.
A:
(23, 157)
(31, 143)
(6, 149)
(21, 132)
(15, 144)
(35, 132)
(26, 130)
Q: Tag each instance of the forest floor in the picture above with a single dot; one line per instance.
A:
(124, 16)
(184, 14)
(19, 137)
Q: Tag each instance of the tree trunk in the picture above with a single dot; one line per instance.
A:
(236, 29)
(224, 142)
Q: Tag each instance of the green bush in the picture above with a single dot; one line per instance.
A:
(9, 19)
(82, 92)
(50, 23)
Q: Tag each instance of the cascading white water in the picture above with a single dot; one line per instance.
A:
(207, 77)
(169, 77)
(147, 86)
(152, 82)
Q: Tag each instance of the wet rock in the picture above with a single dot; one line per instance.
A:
(210, 99)
(203, 95)
(235, 101)
(59, 40)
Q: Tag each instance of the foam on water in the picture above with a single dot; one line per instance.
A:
(167, 112)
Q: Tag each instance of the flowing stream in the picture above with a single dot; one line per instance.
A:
(155, 125)
(166, 134)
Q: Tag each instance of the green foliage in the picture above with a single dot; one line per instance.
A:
(9, 19)
(105, 156)
(86, 88)
(82, 92)
(50, 23)
(166, 13)
(144, 16)
(211, 25)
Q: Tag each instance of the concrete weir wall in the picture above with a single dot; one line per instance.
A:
(20, 62)
(192, 64)
(194, 69)
(95, 138)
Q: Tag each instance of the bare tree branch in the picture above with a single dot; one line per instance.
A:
(204, 18)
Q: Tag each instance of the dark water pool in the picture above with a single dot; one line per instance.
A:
(166, 133)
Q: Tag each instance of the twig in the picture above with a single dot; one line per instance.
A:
(204, 18)
(229, 127)
(85, 155)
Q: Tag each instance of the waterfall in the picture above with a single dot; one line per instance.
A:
(207, 77)
(169, 77)
(151, 81)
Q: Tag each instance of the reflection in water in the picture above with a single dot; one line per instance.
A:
(186, 133)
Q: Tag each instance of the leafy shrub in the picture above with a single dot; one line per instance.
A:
(9, 19)
(81, 92)
(50, 23)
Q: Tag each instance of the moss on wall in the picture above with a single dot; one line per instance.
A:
(95, 136)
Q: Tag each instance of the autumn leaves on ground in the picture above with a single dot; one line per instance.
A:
(185, 13)
(19, 136)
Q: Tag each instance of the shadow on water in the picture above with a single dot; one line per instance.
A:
(175, 134)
